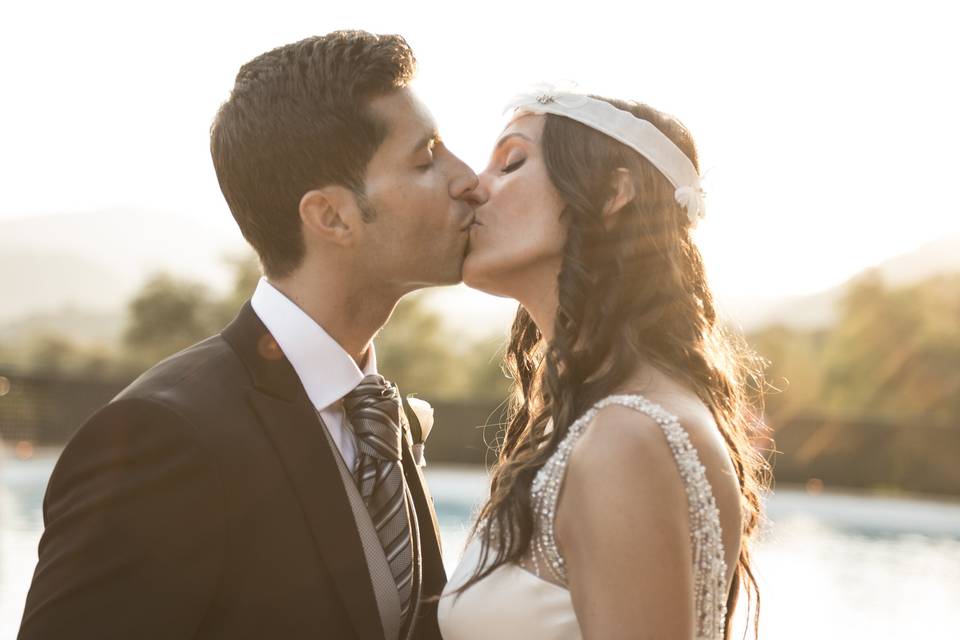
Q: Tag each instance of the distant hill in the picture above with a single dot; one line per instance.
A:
(819, 309)
(79, 324)
(34, 280)
(96, 260)
(941, 256)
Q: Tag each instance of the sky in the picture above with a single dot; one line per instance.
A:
(827, 130)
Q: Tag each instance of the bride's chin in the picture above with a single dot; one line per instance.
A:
(483, 279)
(470, 274)
(474, 275)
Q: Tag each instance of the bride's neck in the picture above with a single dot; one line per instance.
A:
(535, 287)
(542, 306)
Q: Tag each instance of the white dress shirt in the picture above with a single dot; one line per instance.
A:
(327, 372)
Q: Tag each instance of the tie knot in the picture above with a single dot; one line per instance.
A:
(373, 409)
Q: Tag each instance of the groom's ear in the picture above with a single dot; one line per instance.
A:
(331, 214)
(622, 193)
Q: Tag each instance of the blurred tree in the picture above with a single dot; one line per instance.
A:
(484, 365)
(168, 315)
(424, 356)
(51, 353)
(893, 355)
(415, 349)
(246, 275)
(795, 374)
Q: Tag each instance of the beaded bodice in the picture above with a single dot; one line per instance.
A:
(709, 566)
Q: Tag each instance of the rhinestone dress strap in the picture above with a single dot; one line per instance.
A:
(710, 569)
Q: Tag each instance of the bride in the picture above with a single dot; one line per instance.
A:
(626, 488)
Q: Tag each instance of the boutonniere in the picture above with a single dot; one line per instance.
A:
(421, 422)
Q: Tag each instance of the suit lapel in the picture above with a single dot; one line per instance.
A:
(434, 575)
(290, 422)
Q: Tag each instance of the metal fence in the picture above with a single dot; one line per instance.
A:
(47, 409)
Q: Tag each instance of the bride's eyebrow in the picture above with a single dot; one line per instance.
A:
(515, 134)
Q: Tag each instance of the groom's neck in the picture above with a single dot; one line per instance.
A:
(350, 313)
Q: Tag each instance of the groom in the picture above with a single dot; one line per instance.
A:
(261, 484)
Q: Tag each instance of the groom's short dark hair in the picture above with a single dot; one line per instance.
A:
(296, 120)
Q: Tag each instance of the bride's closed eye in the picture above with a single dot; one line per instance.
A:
(513, 166)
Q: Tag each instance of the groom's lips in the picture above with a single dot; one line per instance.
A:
(470, 223)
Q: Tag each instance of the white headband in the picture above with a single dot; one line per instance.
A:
(640, 135)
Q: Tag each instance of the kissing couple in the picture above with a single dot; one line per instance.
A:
(267, 483)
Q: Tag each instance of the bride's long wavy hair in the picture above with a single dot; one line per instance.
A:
(636, 291)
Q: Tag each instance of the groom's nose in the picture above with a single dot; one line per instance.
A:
(477, 194)
(466, 187)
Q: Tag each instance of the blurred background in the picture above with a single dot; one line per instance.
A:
(828, 136)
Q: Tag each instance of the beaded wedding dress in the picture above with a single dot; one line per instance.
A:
(529, 600)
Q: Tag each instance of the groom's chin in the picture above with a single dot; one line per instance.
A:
(452, 275)
(468, 274)
(457, 272)
(449, 271)
(457, 278)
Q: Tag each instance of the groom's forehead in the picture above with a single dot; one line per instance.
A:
(410, 125)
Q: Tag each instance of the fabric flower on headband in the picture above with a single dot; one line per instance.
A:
(691, 199)
(546, 93)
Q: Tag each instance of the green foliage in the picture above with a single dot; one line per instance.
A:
(794, 375)
(246, 275)
(893, 355)
(416, 349)
(170, 314)
(167, 314)
(52, 353)
(896, 352)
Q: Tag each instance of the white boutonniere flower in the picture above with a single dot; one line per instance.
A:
(421, 423)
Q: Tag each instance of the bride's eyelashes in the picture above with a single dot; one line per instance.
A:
(513, 166)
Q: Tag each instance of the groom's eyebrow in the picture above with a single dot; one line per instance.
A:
(431, 138)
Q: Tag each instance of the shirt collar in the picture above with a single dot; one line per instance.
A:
(327, 372)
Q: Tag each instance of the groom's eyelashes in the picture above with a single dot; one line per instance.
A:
(426, 165)
(432, 150)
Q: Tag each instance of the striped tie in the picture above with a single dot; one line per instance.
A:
(373, 409)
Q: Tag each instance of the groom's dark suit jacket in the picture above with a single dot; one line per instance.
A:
(205, 502)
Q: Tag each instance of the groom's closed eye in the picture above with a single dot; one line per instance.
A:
(425, 153)
(427, 140)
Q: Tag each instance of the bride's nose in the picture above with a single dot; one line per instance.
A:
(485, 184)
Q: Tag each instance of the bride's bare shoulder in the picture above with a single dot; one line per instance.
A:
(622, 448)
(623, 432)
(625, 456)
